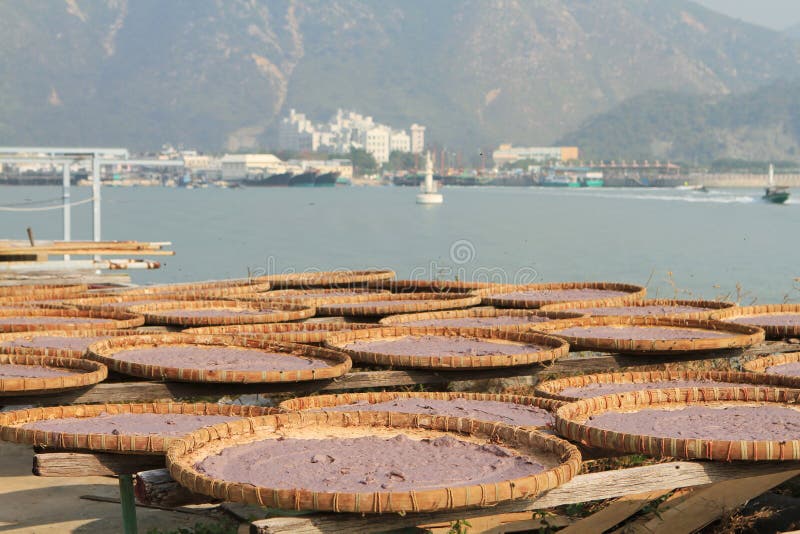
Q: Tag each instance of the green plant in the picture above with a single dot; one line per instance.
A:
(460, 526)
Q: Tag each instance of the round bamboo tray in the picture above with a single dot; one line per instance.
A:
(632, 293)
(754, 313)
(312, 297)
(89, 373)
(11, 425)
(168, 312)
(439, 286)
(116, 302)
(80, 319)
(59, 352)
(220, 289)
(552, 348)
(392, 304)
(705, 308)
(327, 278)
(761, 366)
(478, 313)
(306, 333)
(321, 402)
(106, 352)
(561, 459)
(41, 291)
(740, 335)
(553, 389)
(571, 423)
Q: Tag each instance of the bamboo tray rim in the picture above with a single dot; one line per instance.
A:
(117, 320)
(403, 318)
(570, 426)
(231, 286)
(327, 278)
(333, 401)
(60, 352)
(410, 302)
(183, 454)
(742, 335)
(306, 333)
(339, 362)
(554, 348)
(634, 292)
(759, 365)
(552, 388)
(705, 307)
(273, 312)
(11, 430)
(94, 373)
(27, 290)
(764, 310)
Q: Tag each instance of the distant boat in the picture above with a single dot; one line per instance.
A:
(553, 180)
(429, 194)
(305, 179)
(695, 187)
(327, 179)
(777, 194)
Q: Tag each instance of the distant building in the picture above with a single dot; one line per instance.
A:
(239, 166)
(507, 154)
(417, 138)
(346, 130)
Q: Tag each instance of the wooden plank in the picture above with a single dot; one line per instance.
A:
(144, 391)
(75, 464)
(706, 505)
(583, 488)
(503, 524)
(614, 514)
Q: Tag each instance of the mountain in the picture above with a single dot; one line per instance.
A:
(760, 125)
(218, 75)
(793, 32)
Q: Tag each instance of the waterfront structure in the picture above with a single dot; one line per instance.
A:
(506, 154)
(429, 194)
(346, 130)
(239, 166)
(344, 167)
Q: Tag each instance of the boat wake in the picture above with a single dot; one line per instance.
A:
(653, 194)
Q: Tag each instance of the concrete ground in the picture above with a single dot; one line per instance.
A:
(32, 504)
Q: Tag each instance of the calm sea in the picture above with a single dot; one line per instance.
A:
(693, 245)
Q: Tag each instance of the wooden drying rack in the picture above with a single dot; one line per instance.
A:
(718, 486)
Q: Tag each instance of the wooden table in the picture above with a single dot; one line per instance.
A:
(649, 480)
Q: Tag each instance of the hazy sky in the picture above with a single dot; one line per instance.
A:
(776, 14)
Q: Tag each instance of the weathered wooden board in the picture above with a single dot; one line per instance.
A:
(75, 464)
(583, 488)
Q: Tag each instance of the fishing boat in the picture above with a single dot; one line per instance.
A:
(429, 193)
(777, 194)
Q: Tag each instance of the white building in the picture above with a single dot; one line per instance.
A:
(417, 138)
(239, 166)
(346, 130)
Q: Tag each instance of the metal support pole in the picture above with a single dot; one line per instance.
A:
(96, 197)
(128, 503)
(67, 207)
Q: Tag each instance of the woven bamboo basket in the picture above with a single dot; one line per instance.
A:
(41, 291)
(562, 458)
(396, 303)
(633, 293)
(11, 425)
(89, 373)
(312, 297)
(705, 308)
(571, 419)
(766, 310)
(219, 289)
(553, 389)
(306, 333)
(760, 366)
(168, 312)
(327, 278)
(319, 402)
(106, 352)
(439, 286)
(83, 319)
(59, 352)
(483, 312)
(740, 335)
(552, 348)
